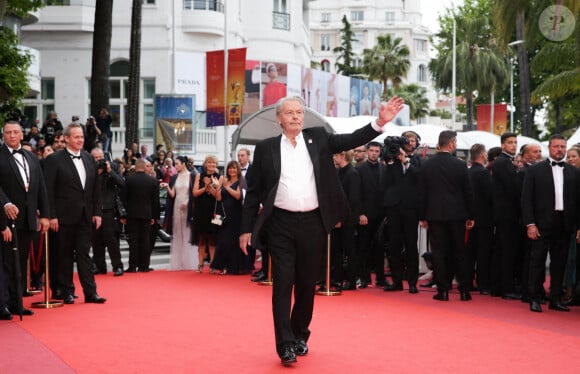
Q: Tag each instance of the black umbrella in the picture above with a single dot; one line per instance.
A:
(17, 274)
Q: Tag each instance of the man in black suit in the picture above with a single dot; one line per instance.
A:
(400, 201)
(445, 206)
(481, 236)
(141, 198)
(75, 206)
(22, 194)
(550, 213)
(506, 195)
(370, 251)
(295, 179)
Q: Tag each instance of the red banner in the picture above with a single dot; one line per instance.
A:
(499, 118)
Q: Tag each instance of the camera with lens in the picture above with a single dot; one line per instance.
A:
(392, 147)
(102, 165)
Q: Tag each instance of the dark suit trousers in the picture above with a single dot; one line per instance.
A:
(480, 246)
(505, 263)
(296, 243)
(343, 245)
(449, 254)
(24, 238)
(403, 225)
(371, 254)
(105, 237)
(75, 243)
(139, 231)
(556, 242)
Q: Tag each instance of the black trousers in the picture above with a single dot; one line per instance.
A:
(449, 254)
(556, 242)
(371, 253)
(139, 231)
(342, 244)
(103, 238)
(480, 247)
(505, 265)
(296, 242)
(75, 243)
(403, 225)
(10, 263)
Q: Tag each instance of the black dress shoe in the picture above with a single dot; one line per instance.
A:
(258, 273)
(484, 291)
(393, 287)
(287, 356)
(57, 295)
(382, 283)
(441, 296)
(535, 307)
(118, 272)
(300, 348)
(464, 295)
(5, 314)
(260, 278)
(68, 299)
(146, 270)
(413, 289)
(429, 283)
(349, 286)
(95, 299)
(363, 284)
(25, 312)
(131, 270)
(557, 305)
(511, 296)
(99, 271)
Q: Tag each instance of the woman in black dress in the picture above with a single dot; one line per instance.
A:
(205, 189)
(229, 258)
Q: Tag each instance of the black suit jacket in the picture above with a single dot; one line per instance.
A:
(482, 195)
(372, 190)
(266, 175)
(141, 196)
(445, 192)
(350, 183)
(69, 202)
(13, 189)
(538, 197)
(506, 193)
(401, 188)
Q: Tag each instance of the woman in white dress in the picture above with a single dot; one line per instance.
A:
(183, 254)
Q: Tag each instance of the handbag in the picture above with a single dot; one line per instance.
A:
(218, 219)
(119, 207)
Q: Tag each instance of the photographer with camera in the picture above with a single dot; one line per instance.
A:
(109, 181)
(401, 210)
(92, 134)
(50, 126)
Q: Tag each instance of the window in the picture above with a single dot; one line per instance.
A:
(325, 17)
(325, 42)
(214, 5)
(148, 115)
(390, 18)
(280, 21)
(359, 43)
(420, 45)
(421, 73)
(36, 107)
(357, 16)
(357, 62)
(148, 2)
(325, 65)
(280, 6)
(58, 2)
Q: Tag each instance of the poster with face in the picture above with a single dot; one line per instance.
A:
(354, 100)
(273, 82)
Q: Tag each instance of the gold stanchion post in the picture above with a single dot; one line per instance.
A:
(328, 291)
(47, 303)
(28, 289)
(268, 282)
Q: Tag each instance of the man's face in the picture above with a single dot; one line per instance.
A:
(98, 155)
(143, 149)
(243, 158)
(13, 135)
(58, 143)
(510, 145)
(75, 140)
(291, 118)
(409, 147)
(373, 153)
(148, 168)
(360, 154)
(557, 149)
(533, 153)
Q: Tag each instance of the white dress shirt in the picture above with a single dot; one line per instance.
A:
(558, 174)
(23, 166)
(78, 162)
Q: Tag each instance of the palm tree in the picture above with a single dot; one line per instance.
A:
(132, 129)
(100, 69)
(387, 61)
(416, 97)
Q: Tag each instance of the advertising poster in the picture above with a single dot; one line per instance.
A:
(215, 88)
(190, 77)
(332, 96)
(343, 96)
(253, 80)
(174, 122)
(499, 118)
(354, 97)
(365, 105)
(273, 82)
(236, 85)
(307, 85)
(294, 80)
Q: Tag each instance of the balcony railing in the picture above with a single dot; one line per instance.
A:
(213, 5)
(281, 21)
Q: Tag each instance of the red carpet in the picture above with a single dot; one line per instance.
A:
(184, 322)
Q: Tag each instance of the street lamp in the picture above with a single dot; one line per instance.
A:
(512, 109)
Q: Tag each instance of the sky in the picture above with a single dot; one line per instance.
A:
(431, 10)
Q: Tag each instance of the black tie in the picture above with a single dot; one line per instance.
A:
(73, 156)
(560, 164)
(15, 151)
(244, 169)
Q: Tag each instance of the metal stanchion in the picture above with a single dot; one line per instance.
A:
(47, 303)
(328, 291)
(268, 282)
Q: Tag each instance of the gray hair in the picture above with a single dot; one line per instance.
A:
(283, 100)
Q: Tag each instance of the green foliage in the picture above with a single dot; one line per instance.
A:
(19, 7)
(387, 60)
(14, 65)
(345, 56)
(416, 97)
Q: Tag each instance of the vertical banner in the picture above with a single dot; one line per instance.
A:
(365, 105)
(190, 77)
(306, 91)
(376, 98)
(343, 97)
(216, 102)
(174, 122)
(332, 96)
(273, 82)
(499, 118)
(253, 81)
(294, 80)
(354, 97)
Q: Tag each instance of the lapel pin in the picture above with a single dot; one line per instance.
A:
(309, 141)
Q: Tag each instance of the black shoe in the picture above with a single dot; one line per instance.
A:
(25, 312)
(95, 299)
(535, 307)
(363, 284)
(349, 286)
(260, 278)
(68, 299)
(484, 291)
(99, 271)
(300, 348)
(413, 289)
(258, 273)
(131, 270)
(464, 295)
(287, 356)
(382, 283)
(118, 272)
(58, 295)
(441, 296)
(557, 305)
(5, 314)
(393, 287)
(429, 283)
(511, 296)
(146, 270)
